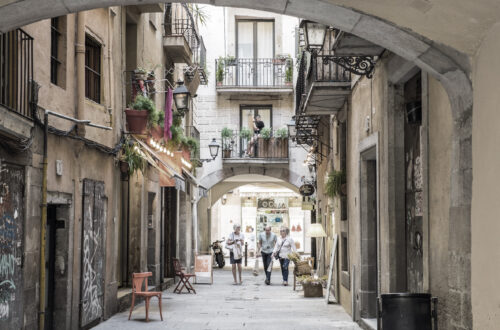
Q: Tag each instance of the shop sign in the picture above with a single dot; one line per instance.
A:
(307, 206)
(306, 189)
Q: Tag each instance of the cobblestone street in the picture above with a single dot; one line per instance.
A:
(253, 305)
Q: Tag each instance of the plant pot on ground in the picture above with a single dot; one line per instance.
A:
(312, 289)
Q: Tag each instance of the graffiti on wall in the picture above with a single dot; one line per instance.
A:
(11, 247)
(92, 282)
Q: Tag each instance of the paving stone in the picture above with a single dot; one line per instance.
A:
(223, 306)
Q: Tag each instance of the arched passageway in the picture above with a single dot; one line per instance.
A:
(439, 54)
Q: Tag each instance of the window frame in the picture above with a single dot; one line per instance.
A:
(255, 36)
(93, 51)
(256, 107)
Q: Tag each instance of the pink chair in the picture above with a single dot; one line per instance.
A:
(137, 281)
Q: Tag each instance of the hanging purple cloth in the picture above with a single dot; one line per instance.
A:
(167, 133)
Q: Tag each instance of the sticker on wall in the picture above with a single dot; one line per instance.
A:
(419, 200)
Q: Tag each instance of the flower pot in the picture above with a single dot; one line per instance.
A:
(137, 121)
(226, 153)
(156, 132)
(312, 290)
(219, 83)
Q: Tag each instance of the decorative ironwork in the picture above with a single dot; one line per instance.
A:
(360, 65)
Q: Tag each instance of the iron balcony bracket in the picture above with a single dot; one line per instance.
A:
(360, 65)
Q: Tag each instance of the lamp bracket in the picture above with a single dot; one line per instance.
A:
(360, 65)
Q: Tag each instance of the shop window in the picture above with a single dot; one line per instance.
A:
(92, 69)
(58, 51)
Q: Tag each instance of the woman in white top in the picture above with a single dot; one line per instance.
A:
(284, 246)
(235, 243)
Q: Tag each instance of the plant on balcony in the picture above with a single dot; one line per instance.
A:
(131, 159)
(219, 76)
(227, 142)
(139, 113)
(266, 133)
(230, 61)
(281, 133)
(335, 185)
(289, 75)
(245, 133)
(140, 73)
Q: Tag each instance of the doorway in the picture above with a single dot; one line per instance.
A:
(369, 234)
(170, 195)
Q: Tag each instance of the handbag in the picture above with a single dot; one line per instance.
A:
(277, 256)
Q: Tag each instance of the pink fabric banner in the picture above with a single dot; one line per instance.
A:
(167, 133)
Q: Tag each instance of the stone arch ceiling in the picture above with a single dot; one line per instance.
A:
(458, 24)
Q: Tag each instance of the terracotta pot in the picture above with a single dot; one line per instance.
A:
(156, 132)
(123, 167)
(137, 121)
(227, 153)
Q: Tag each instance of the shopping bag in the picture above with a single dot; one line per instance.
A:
(270, 267)
(256, 267)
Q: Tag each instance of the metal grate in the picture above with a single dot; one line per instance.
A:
(16, 71)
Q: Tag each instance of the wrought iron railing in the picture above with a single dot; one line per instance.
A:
(259, 72)
(192, 131)
(237, 146)
(200, 61)
(16, 71)
(179, 21)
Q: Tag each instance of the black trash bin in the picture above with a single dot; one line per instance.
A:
(408, 311)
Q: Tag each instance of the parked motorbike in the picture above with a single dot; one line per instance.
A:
(218, 254)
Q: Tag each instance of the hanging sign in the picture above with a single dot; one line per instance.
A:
(306, 190)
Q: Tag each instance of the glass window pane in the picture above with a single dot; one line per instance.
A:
(265, 40)
(245, 39)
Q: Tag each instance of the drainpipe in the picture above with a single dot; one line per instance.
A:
(43, 228)
(80, 70)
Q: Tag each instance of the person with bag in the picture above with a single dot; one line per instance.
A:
(284, 246)
(266, 243)
(234, 244)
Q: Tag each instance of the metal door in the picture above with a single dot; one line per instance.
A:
(11, 245)
(93, 251)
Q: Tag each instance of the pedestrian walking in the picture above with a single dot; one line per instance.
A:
(283, 247)
(235, 243)
(266, 242)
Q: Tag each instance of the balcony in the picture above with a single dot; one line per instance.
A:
(196, 73)
(16, 72)
(237, 150)
(271, 75)
(325, 88)
(151, 8)
(180, 34)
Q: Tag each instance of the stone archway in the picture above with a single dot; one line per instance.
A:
(450, 67)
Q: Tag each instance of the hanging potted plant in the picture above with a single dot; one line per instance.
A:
(227, 142)
(230, 61)
(131, 159)
(138, 113)
(336, 184)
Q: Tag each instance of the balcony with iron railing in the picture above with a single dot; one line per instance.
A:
(238, 148)
(249, 74)
(181, 37)
(198, 69)
(16, 72)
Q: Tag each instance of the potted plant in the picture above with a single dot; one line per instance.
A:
(230, 61)
(131, 159)
(289, 75)
(140, 73)
(219, 76)
(336, 184)
(313, 285)
(138, 113)
(280, 59)
(227, 142)
(281, 143)
(264, 140)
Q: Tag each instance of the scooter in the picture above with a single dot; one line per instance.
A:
(218, 254)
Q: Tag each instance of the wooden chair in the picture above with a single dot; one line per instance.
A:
(184, 278)
(137, 281)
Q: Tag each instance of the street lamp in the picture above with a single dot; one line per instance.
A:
(214, 148)
(181, 97)
(315, 34)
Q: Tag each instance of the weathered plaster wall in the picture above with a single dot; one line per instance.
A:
(485, 184)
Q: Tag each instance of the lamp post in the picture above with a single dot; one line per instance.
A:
(181, 97)
(316, 231)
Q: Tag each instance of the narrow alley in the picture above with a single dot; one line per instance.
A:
(222, 305)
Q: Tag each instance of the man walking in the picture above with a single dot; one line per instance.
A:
(266, 242)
